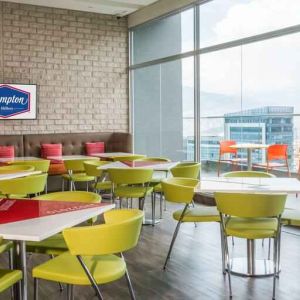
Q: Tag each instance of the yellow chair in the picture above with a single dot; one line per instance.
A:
(128, 157)
(251, 216)
(56, 245)
(187, 170)
(248, 174)
(16, 169)
(91, 169)
(131, 183)
(8, 278)
(158, 176)
(24, 186)
(181, 190)
(76, 173)
(93, 260)
(39, 165)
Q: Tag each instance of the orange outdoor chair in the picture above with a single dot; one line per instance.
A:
(275, 154)
(226, 149)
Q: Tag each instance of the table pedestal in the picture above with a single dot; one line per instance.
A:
(250, 266)
(20, 264)
(249, 159)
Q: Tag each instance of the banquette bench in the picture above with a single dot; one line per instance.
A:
(72, 144)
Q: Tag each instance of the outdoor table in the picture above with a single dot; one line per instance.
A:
(24, 220)
(250, 147)
(249, 266)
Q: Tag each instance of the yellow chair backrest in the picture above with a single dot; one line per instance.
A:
(128, 157)
(91, 167)
(250, 205)
(76, 165)
(75, 196)
(187, 170)
(39, 165)
(130, 175)
(248, 174)
(24, 185)
(179, 190)
(15, 169)
(120, 233)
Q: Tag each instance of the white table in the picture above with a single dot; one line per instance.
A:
(111, 154)
(20, 158)
(249, 266)
(70, 157)
(155, 166)
(41, 228)
(18, 174)
(249, 147)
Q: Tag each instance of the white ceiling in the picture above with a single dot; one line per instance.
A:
(111, 7)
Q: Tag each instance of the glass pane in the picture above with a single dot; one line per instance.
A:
(164, 110)
(164, 37)
(227, 20)
(220, 82)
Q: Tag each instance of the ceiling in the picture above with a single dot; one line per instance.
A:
(111, 7)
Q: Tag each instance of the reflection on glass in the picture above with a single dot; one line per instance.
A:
(164, 110)
(164, 37)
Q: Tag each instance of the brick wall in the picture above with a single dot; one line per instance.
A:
(78, 61)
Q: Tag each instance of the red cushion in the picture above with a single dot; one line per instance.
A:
(7, 151)
(57, 169)
(51, 150)
(92, 148)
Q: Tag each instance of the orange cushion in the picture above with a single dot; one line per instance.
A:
(51, 150)
(57, 169)
(7, 151)
(96, 147)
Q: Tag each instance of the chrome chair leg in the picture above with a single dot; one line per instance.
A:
(36, 288)
(175, 235)
(228, 266)
(70, 292)
(269, 249)
(160, 205)
(222, 250)
(153, 209)
(275, 253)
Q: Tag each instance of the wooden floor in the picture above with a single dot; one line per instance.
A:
(194, 271)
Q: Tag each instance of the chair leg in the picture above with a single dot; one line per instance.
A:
(275, 266)
(63, 184)
(160, 205)
(70, 292)
(269, 249)
(153, 209)
(223, 250)
(228, 266)
(36, 288)
(131, 291)
(172, 243)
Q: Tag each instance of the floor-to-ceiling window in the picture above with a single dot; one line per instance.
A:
(223, 69)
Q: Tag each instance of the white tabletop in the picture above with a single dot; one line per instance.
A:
(112, 154)
(18, 175)
(155, 167)
(20, 158)
(69, 157)
(248, 185)
(249, 146)
(39, 229)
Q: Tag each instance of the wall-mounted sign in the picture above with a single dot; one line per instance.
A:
(17, 101)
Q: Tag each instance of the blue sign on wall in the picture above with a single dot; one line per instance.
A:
(15, 101)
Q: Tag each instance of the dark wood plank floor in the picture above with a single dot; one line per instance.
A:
(194, 271)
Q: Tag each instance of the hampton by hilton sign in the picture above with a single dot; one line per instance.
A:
(17, 101)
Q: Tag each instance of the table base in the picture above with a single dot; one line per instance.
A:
(262, 267)
(150, 222)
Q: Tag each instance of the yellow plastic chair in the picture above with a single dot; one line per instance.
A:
(251, 216)
(91, 169)
(248, 174)
(181, 190)
(76, 173)
(187, 170)
(56, 245)
(16, 169)
(158, 176)
(93, 260)
(131, 183)
(128, 157)
(24, 186)
(9, 278)
(39, 165)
